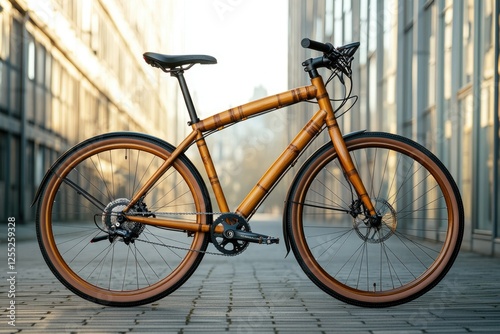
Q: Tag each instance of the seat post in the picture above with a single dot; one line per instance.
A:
(179, 74)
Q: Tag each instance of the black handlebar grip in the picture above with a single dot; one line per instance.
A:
(318, 46)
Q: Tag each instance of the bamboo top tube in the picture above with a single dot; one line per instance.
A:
(241, 112)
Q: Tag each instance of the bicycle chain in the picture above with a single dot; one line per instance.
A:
(180, 214)
(181, 248)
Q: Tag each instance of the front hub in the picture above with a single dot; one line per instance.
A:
(379, 228)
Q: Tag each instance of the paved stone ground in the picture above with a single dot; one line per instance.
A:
(256, 292)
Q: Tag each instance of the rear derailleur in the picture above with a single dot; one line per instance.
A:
(114, 223)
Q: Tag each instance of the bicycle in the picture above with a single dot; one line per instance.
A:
(374, 219)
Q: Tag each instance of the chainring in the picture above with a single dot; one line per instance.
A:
(224, 241)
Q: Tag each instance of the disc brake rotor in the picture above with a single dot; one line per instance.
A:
(384, 231)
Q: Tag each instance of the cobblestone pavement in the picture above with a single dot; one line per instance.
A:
(259, 291)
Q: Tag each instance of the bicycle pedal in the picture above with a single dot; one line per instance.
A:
(266, 240)
(255, 237)
(272, 240)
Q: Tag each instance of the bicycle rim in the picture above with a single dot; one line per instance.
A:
(413, 248)
(80, 201)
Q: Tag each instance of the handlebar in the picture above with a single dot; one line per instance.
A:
(334, 58)
(318, 46)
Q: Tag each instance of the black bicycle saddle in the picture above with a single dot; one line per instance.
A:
(168, 61)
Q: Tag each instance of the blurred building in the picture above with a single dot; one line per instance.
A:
(71, 69)
(428, 70)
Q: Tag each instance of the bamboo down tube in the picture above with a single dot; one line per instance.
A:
(286, 158)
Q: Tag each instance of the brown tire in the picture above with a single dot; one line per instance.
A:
(80, 199)
(411, 250)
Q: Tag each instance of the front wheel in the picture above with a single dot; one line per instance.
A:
(101, 258)
(363, 263)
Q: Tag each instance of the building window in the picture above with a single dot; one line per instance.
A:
(29, 99)
(363, 31)
(15, 59)
(467, 42)
(13, 178)
(372, 92)
(466, 111)
(38, 168)
(4, 87)
(4, 35)
(47, 89)
(16, 44)
(338, 23)
(406, 66)
(449, 115)
(485, 161)
(431, 21)
(3, 172)
(487, 33)
(31, 59)
(29, 174)
(486, 135)
(390, 44)
(347, 22)
(329, 19)
(408, 13)
(3, 160)
(373, 25)
(390, 33)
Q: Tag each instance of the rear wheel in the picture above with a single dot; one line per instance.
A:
(82, 200)
(403, 256)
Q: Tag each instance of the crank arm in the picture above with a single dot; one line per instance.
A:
(254, 237)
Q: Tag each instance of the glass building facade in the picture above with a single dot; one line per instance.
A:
(428, 70)
(71, 69)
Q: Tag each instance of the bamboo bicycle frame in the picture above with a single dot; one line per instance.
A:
(325, 115)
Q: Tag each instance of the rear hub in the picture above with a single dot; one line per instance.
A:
(114, 222)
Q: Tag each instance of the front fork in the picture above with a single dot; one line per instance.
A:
(341, 148)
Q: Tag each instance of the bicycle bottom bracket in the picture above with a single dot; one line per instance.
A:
(383, 229)
(226, 242)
